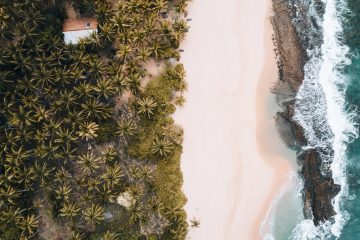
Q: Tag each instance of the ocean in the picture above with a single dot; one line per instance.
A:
(327, 107)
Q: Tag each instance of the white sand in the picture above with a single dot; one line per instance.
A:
(233, 161)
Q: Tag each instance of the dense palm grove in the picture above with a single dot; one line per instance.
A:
(71, 142)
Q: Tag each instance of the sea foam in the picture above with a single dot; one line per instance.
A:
(321, 110)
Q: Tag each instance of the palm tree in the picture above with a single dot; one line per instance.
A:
(52, 125)
(66, 153)
(134, 6)
(103, 11)
(147, 106)
(89, 162)
(75, 117)
(59, 56)
(42, 58)
(27, 32)
(137, 191)
(155, 204)
(181, 6)
(62, 75)
(63, 192)
(84, 90)
(149, 25)
(21, 118)
(109, 154)
(136, 213)
(134, 68)
(8, 194)
(10, 214)
(88, 130)
(41, 114)
(29, 223)
(5, 24)
(180, 26)
(146, 173)
(78, 236)
(161, 147)
(144, 53)
(26, 85)
(44, 77)
(107, 32)
(65, 137)
(180, 101)
(43, 171)
(94, 41)
(34, 18)
(94, 214)
(94, 108)
(20, 60)
(11, 141)
(25, 135)
(195, 223)
(124, 51)
(137, 38)
(96, 67)
(45, 150)
(125, 127)
(70, 210)
(158, 5)
(112, 175)
(105, 88)
(135, 83)
(121, 84)
(109, 236)
(30, 101)
(16, 157)
(106, 193)
(121, 21)
(134, 172)
(92, 184)
(157, 49)
(7, 106)
(66, 99)
(81, 60)
(176, 38)
(26, 176)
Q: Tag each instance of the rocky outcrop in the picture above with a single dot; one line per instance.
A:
(318, 189)
(290, 54)
(290, 51)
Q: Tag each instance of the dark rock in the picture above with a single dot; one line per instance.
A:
(290, 45)
(318, 189)
(291, 56)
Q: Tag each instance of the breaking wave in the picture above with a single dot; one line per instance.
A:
(322, 111)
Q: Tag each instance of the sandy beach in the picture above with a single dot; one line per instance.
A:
(233, 162)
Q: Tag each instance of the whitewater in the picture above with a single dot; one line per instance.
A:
(322, 111)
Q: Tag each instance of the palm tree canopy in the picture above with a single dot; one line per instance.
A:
(94, 214)
(147, 106)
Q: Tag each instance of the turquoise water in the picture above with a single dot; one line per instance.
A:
(328, 108)
(351, 205)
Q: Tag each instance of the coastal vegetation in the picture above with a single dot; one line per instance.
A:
(88, 147)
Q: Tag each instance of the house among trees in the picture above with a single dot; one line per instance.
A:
(76, 29)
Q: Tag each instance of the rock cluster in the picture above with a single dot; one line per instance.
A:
(318, 190)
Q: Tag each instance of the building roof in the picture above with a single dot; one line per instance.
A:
(79, 24)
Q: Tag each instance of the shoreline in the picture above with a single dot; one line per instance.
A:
(319, 188)
(224, 145)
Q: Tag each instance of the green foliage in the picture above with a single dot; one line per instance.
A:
(69, 143)
(107, 132)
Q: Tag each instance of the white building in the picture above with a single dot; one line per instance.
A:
(76, 29)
